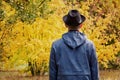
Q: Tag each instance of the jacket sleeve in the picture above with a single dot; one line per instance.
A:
(52, 65)
(93, 63)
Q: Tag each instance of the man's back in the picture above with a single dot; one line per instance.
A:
(73, 57)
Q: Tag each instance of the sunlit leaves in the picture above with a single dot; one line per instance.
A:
(24, 45)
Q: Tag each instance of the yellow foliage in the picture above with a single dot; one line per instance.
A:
(9, 11)
(32, 42)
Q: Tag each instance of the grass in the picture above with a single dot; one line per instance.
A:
(110, 75)
(15, 75)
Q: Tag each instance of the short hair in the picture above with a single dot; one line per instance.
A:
(72, 27)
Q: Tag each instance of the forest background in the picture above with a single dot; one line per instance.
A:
(28, 28)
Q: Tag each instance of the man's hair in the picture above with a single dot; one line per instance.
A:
(72, 27)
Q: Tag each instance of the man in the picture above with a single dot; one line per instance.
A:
(73, 57)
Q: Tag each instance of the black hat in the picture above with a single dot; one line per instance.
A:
(73, 18)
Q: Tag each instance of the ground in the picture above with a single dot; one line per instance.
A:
(15, 75)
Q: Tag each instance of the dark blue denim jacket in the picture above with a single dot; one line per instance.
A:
(73, 57)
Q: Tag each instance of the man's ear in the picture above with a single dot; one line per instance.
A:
(80, 25)
(66, 25)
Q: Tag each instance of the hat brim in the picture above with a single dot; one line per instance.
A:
(65, 19)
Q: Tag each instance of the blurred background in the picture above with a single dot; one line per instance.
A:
(28, 28)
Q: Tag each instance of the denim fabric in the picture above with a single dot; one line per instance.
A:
(73, 57)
